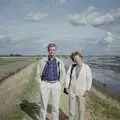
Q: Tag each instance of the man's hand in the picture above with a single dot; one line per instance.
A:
(86, 93)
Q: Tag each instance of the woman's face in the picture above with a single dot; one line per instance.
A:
(77, 59)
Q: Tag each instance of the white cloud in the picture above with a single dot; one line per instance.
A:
(108, 39)
(5, 37)
(95, 17)
(36, 17)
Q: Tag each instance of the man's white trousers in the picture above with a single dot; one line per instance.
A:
(50, 91)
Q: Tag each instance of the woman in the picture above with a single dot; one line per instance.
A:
(78, 84)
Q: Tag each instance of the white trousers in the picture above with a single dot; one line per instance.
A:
(76, 107)
(50, 91)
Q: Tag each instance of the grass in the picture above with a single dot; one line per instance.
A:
(100, 108)
(28, 94)
(5, 61)
(9, 66)
(96, 107)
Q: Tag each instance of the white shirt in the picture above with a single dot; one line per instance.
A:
(78, 69)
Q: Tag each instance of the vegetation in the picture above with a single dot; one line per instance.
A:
(28, 93)
(10, 66)
(102, 108)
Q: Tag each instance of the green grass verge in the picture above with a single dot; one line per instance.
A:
(102, 109)
(29, 93)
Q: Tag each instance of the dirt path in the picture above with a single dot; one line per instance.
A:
(11, 89)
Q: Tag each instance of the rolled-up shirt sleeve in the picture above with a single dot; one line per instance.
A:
(89, 78)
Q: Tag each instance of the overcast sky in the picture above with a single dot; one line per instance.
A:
(27, 26)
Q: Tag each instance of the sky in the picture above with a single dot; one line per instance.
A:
(90, 26)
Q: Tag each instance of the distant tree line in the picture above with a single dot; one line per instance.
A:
(15, 55)
(9, 55)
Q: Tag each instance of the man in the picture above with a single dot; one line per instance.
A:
(51, 72)
(78, 84)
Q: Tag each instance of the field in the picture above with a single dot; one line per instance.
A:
(23, 85)
(11, 65)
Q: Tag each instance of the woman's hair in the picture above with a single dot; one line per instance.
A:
(74, 54)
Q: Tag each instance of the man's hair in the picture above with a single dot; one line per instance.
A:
(51, 45)
(76, 53)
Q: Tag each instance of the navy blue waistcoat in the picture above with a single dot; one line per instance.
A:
(51, 71)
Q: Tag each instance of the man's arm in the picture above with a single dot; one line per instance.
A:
(62, 73)
(40, 67)
(67, 78)
(67, 81)
(38, 72)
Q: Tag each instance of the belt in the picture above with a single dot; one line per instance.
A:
(54, 81)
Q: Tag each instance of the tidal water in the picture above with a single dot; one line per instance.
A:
(105, 69)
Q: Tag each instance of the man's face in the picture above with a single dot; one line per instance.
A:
(77, 59)
(51, 51)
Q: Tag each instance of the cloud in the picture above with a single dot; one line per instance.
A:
(35, 17)
(95, 17)
(108, 39)
(5, 37)
(5, 41)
